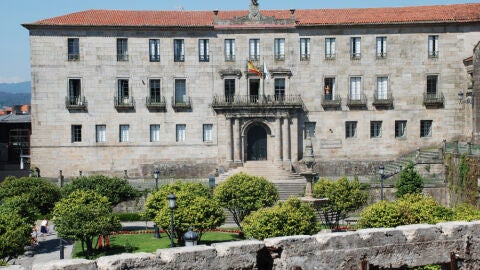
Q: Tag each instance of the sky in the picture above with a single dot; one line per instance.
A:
(14, 41)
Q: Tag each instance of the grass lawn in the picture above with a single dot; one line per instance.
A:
(122, 243)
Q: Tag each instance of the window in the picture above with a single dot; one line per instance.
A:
(355, 52)
(279, 49)
(279, 89)
(178, 50)
(304, 49)
(181, 130)
(433, 46)
(122, 49)
(229, 90)
(381, 47)
(350, 129)
(155, 96)
(154, 50)
(101, 133)
(73, 49)
(76, 133)
(310, 129)
(255, 49)
(74, 92)
(425, 128)
(207, 132)
(203, 50)
(329, 88)
(382, 88)
(229, 49)
(123, 91)
(330, 48)
(124, 133)
(355, 88)
(375, 129)
(180, 91)
(400, 129)
(432, 83)
(154, 133)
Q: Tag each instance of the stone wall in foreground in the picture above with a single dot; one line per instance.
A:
(412, 245)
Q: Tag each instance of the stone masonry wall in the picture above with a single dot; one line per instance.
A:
(412, 245)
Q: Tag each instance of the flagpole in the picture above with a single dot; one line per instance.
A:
(263, 79)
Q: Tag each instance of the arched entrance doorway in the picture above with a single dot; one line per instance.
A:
(257, 143)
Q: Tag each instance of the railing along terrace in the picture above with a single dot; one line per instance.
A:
(357, 100)
(382, 99)
(462, 148)
(433, 98)
(258, 100)
(75, 102)
(124, 102)
(156, 102)
(330, 100)
(183, 103)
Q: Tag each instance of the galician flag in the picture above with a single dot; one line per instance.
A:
(252, 68)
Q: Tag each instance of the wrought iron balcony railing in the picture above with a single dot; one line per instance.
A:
(156, 103)
(75, 103)
(357, 101)
(124, 103)
(184, 103)
(331, 101)
(257, 101)
(382, 99)
(433, 99)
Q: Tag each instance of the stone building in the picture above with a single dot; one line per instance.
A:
(132, 90)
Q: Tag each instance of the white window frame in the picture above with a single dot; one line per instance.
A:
(330, 50)
(279, 49)
(254, 49)
(355, 88)
(355, 47)
(433, 46)
(229, 50)
(154, 50)
(381, 47)
(154, 133)
(100, 133)
(382, 88)
(124, 133)
(204, 50)
(304, 49)
(207, 132)
(180, 132)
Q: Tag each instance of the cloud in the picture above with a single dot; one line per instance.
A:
(12, 79)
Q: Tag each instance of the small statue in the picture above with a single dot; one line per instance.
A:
(255, 2)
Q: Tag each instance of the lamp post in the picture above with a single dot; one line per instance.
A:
(172, 204)
(156, 172)
(381, 172)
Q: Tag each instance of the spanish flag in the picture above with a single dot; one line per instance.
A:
(252, 68)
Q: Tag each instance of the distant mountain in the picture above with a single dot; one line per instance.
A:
(14, 94)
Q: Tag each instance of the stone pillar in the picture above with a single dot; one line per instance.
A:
(294, 139)
(278, 140)
(229, 140)
(236, 141)
(286, 140)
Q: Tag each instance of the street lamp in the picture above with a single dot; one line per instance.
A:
(172, 204)
(381, 172)
(156, 172)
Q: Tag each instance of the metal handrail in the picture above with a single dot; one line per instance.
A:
(257, 100)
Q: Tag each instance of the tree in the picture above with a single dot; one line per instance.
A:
(83, 215)
(343, 196)
(40, 192)
(115, 189)
(409, 209)
(15, 234)
(242, 193)
(195, 207)
(20, 205)
(409, 182)
(291, 217)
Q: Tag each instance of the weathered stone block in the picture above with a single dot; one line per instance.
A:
(196, 257)
(145, 261)
(75, 264)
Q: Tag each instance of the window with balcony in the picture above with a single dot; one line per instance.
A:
(355, 48)
(180, 91)
(155, 93)
(426, 128)
(382, 88)
(207, 132)
(433, 46)
(100, 133)
(375, 129)
(400, 129)
(229, 49)
(254, 50)
(381, 47)
(350, 129)
(432, 85)
(124, 97)
(122, 49)
(279, 89)
(329, 88)
(154, 50)
(76, 131)
(355, 88)
(124, 134)
(74, 93)
(154, 133)
(203, 50)
(178, 50)
(304, 49)
(73, 49)
(229, 90)
(279, 49)
(181, 132)
(330, 50)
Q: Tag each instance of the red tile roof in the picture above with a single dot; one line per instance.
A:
(419, 14)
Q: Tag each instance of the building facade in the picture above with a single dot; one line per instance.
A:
(194, 91)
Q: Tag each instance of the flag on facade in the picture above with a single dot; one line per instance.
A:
(266, 75)
(253, 69)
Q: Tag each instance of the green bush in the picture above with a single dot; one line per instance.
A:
(14, 236)
(21, 205)
(291, 217)
(409, 209)
(40, 193)
(466, 212)
(409, 182)
(242, 193)
(115, 189)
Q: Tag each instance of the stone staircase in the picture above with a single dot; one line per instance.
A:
(420, 156)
